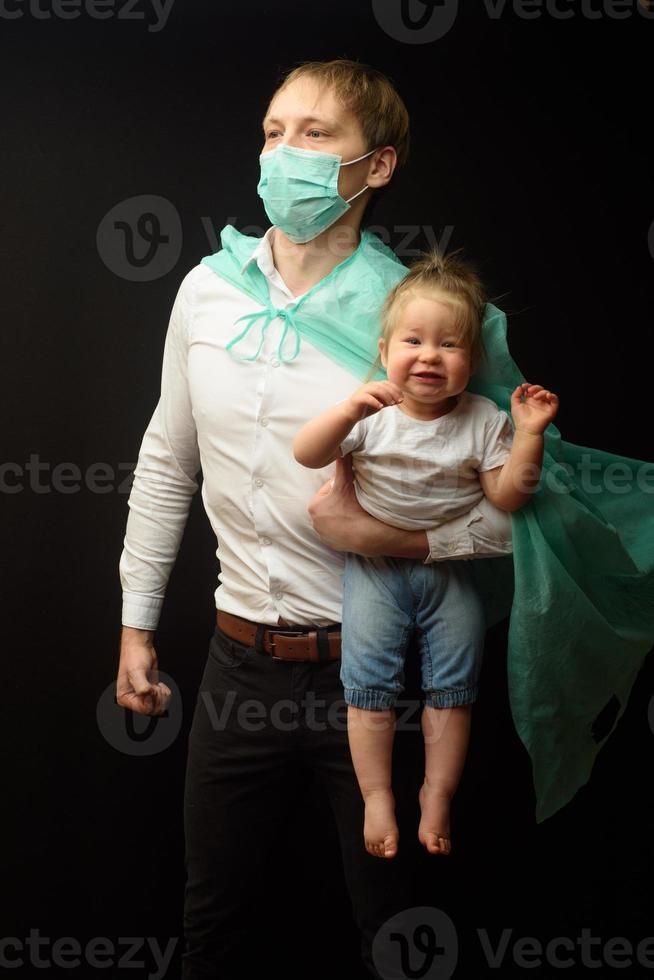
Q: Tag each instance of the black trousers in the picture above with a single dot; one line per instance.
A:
(257, 724)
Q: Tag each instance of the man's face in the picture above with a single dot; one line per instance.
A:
(309, 116)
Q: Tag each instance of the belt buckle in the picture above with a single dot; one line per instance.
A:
(283, 633)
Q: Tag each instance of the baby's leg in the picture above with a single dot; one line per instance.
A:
(375, 630)
(482, 532)
(446, 732)
(451, 632)
(370, 734)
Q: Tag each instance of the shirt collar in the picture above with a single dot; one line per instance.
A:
(263, 254)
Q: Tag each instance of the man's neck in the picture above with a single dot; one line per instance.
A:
(302, 266)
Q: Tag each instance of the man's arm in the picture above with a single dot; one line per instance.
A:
(346, 526)
(164, 481)
(377, 538)
(159, 502)
(354, 529)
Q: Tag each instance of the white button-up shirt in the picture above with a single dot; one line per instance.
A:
(234, 420)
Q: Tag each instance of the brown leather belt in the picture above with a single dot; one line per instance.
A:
(304, 643)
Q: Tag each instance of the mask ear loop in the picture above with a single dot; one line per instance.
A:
(368, 154)
(365, 187)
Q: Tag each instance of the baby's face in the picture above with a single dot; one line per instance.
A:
(424, 356)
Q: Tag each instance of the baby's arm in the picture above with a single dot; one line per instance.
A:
(317, 443)
(510, 486)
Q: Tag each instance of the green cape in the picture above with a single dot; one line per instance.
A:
(579, 586)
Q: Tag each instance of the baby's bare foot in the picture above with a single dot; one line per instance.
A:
(380, 829)
(434, 830)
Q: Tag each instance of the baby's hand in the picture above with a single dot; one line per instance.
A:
(370, 397)
(538, 409)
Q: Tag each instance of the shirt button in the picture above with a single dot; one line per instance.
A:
(279, 595)
(275, 362)
(258, 483)
(265, 541)
(264, 421)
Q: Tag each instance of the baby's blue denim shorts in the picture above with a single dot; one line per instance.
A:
(384, 600)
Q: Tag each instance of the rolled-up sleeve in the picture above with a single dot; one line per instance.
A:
(164, 479)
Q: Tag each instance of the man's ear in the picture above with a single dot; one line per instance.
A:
(382, 167)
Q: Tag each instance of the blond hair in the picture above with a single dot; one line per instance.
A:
(452, 280)
(368, 94)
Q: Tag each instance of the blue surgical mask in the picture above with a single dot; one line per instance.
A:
(299, 190)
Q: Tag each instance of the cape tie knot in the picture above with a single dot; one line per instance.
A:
(266, 316)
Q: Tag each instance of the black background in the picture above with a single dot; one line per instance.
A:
(530, 143)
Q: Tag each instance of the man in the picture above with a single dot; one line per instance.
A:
(231, 402)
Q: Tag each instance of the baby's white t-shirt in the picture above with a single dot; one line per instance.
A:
(417, 474)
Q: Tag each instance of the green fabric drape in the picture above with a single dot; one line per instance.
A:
(579, 587)
(339, 315)
(582, 611)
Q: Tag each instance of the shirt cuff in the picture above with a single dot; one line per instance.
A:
(141, 611)
(453, 548)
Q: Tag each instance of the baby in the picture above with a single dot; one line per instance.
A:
(424, 452)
